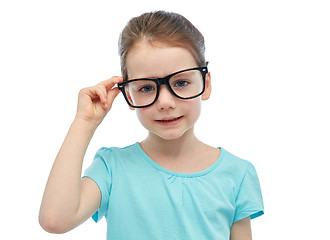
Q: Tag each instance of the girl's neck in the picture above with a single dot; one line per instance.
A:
(175, 148)
(186, 154)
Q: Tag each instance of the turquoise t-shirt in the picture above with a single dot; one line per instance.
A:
(142, 200)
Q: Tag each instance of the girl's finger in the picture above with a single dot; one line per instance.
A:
(112, 94)
(96, 93)
(111, 82)
(103, 96)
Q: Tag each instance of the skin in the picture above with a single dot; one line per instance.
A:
(174, 147)
(69, 200)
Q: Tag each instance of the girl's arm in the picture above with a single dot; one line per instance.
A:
(241, 230)
(68, 201)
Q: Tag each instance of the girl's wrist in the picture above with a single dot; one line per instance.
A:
(85, 125)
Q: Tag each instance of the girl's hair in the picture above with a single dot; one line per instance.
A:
(167, 27)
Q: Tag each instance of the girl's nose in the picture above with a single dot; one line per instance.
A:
(165, 99)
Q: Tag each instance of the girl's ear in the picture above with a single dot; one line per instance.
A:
(207, 92)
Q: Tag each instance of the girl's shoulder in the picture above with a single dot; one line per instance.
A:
(129, 148)
(110, 154)
(233, 163)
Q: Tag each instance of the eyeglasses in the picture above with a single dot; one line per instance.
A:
(185, 84)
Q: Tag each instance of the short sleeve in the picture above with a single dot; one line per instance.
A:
(99, 172)
(249, 198)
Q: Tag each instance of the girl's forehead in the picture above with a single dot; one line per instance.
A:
(157, 60)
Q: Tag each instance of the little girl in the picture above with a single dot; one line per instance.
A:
(171, 185)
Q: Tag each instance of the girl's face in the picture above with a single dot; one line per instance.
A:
(169, 117)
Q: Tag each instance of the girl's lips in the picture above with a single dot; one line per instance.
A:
(169, 121)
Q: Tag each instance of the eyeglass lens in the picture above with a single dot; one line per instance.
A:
(185, 85)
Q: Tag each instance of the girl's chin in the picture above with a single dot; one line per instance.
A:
(171, 134)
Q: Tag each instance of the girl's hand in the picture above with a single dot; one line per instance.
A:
(95, 102)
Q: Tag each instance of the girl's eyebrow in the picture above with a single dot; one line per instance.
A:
(184, 73)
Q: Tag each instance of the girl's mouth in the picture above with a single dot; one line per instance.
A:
(170, 121)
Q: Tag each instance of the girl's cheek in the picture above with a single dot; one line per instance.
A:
(143, 116)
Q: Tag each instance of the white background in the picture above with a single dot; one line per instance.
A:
(270, 66)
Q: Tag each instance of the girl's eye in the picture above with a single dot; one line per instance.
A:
(181, 83)
(147, 88)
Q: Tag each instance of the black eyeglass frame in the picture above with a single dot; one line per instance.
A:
(161, 81)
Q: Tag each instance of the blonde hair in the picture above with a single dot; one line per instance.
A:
(167, 27)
